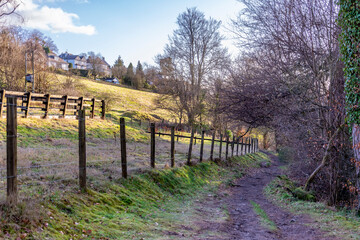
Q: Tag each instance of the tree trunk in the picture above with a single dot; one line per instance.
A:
(356, 149)
(265, 140)
(324, 160)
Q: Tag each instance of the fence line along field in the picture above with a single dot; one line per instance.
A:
(52, 162)
(48, 106)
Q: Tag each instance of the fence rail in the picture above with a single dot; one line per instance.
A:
(45, 105)
(14, 178)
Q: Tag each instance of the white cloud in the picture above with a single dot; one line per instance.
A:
(53, 1)
(51, 19)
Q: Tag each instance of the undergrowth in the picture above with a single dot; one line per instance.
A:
(336, 222)
(144, 206)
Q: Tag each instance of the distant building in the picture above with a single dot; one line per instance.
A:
(77, 61)
(55, 61)
(100, 65)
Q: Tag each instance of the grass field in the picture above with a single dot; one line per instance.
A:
(121, 99)
(150, 205)
(48, 148)
(48, 160)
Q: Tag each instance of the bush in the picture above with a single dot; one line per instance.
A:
(286, 154)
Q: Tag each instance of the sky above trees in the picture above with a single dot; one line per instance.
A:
(134, 29)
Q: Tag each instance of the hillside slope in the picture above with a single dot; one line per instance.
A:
(120, 98)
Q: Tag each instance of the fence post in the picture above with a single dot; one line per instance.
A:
(237, 146)
(245, 146)
(232, 146)
(66, 99)
(11, 149)
(103, 109)
(249, 146)
(152, 147)
(2, 101)
(241, 146)
(212, 147)
(123, 148)
(82, 150)
(93, 101)
(80, 105)
(221, 141)
(253, 145)
(202, 146)
(28, 102)
(227, 148)
(172, 154)
(190, 147)
(47, 105)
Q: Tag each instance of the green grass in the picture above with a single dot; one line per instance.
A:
(335, 222)
(33, 130)
(145, 206)
(264, 218)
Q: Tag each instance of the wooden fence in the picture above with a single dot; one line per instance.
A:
(246, 145)
(46, 105)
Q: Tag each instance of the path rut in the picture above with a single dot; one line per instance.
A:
(245, 224)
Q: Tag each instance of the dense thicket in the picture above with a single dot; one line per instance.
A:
(290, 79)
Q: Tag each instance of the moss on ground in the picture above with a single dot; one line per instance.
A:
(336, 222)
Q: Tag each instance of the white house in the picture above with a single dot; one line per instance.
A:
(56, 62)
(77, 61)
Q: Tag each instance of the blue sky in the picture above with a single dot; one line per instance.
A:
(134, 29)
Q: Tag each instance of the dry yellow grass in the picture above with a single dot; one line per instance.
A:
(123, 99)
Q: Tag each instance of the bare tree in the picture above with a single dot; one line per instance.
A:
(12, 59)
(95, 61)
(194, 52)
(7, 8)
(291, 81)
(36, 44)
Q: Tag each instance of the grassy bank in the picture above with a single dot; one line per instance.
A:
(152, 205)
(335, 222)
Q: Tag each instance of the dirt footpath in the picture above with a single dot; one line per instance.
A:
(243, 222)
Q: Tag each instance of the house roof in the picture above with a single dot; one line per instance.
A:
(102, 61)
(52, 58)
(69, 56)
